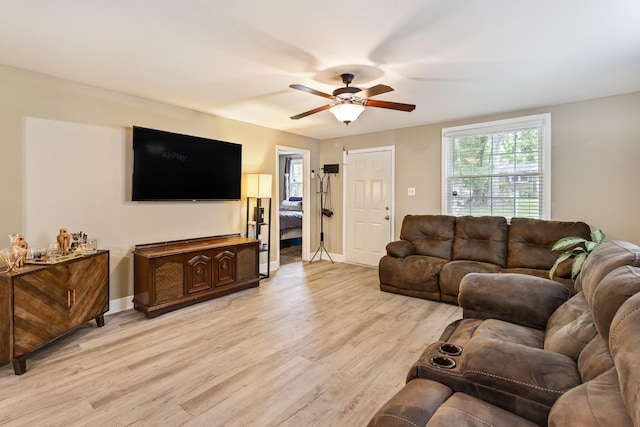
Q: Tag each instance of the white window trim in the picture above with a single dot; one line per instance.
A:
(296, 160)
(496, 126)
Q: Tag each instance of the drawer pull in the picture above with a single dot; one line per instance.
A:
(71, 297)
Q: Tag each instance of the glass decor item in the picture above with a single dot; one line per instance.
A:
(90, 246)
(17, 240)
(12, 258)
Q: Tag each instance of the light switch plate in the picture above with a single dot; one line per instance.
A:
(411, 191)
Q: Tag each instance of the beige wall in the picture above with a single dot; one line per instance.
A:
(594, 161)
(595, 153)
(65, 106)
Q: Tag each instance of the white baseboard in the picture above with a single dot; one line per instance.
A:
(120, 304)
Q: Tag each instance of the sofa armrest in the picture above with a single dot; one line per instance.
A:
(515, 298)
(400, 249)
(531, 373)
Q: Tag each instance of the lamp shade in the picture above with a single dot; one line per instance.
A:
(259, 185)
(347, 112)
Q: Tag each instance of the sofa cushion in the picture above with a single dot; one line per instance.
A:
(603, 260)
(482, 238)
(462, 410)
(594, 403)
(431, 235)
(530, 373)
(570, 328)
(506, 331)
(515, 298)
(414, 275)
(531, 240)
(424, 402)
(567, 282)
(614, 289)
(624, 342)
(595, 359)
(453, 272)
(413, 405)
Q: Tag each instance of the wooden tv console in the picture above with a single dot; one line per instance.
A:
(174, 274)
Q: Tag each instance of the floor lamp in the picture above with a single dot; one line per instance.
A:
(259, 188)
(323, 212)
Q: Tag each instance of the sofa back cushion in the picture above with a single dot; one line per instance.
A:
(432, 235)
(624, 341)
(595, 359)
(603, 260)
(570, 328)
(481, 238)
(612, 291)
(531, 240)
(592, 404)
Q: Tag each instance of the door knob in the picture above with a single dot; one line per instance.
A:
(386, 217)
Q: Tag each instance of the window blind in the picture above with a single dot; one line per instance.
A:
(498, 168)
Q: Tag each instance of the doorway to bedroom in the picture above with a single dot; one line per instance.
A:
(293, 199)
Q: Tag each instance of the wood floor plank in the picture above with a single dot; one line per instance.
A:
(315, 345)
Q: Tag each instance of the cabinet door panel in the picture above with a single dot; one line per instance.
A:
(199, 274)
(225, 268)
(40, 308)
(89, 289)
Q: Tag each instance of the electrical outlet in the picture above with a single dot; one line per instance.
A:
(411, 191)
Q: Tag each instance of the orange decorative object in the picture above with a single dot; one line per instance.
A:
(64, 241)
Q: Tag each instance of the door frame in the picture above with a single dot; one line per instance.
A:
(306, 198)
(392, 186)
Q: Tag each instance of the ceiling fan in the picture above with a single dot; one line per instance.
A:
(348, 102)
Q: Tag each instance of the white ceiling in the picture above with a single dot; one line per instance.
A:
(452, 58)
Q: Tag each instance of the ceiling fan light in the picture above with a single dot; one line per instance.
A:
(347, 112)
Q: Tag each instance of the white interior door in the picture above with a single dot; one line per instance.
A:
(368, 204)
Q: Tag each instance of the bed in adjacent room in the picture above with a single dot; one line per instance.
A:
(291, 219)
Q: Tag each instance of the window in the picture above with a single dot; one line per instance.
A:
(498, 168)
(295, 181)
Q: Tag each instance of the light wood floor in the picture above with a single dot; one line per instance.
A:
(316, 345)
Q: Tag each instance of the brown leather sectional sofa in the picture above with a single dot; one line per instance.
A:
(435, 252)
(529, 351)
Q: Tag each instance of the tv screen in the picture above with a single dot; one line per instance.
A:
(171, 166)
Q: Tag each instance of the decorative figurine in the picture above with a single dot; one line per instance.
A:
(64, 240)
(17, 240)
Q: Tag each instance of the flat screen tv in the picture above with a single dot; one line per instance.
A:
(171, 166)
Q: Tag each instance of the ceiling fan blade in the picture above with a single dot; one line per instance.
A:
(374, 90)
(310, 112)
(311, 91)
(389, 105)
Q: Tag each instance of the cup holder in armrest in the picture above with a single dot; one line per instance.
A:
(443, 362)
(450, 349)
